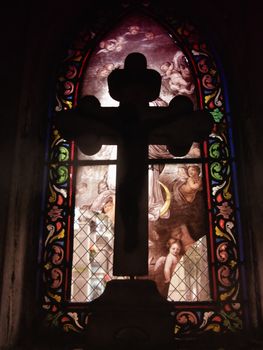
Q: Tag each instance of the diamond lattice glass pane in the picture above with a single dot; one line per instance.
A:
(190, 280)
(92, 257)
(93, 231)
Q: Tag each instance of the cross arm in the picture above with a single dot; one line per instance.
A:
(89, 125)
(182, 131)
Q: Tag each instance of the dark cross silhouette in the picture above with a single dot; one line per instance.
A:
(133, 126)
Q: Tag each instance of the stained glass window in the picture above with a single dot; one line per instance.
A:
(195, 251)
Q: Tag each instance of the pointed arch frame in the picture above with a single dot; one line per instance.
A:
(227, 312)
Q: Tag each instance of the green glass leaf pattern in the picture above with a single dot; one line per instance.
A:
(53, 318)
(217, 115)
(63, 154)
(214, 150)
(215, 171)
(232, 321)
(62, 174)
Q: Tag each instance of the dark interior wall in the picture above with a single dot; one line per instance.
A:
(33, 35)
(239, 44)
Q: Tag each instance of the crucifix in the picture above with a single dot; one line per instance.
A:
(133, 126)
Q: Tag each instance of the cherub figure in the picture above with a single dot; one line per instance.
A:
(174, 255)
(186, 188)
(110, 45)
(178, 75)
(165, 265)
(133, 30)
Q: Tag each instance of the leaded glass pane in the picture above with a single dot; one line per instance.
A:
(169, 209)
(190, 279)
(177, 216)
(93, 231)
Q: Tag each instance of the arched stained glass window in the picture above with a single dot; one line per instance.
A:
(195, 246)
